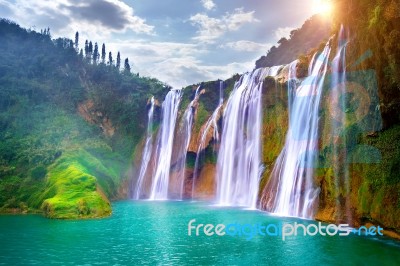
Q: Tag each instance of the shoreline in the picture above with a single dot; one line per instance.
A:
(390, 233)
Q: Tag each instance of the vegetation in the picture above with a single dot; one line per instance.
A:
(70, 117)
(375, 37)
(73, 189)
(69, 122)
(359, 178)
(314, 31)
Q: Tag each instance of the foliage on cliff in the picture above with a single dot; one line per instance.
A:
(54, 102)
(374, 28)
(314, 31)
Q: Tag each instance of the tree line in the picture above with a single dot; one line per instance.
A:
(92, 55)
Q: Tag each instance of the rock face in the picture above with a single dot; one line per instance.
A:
(88, 111)
(371, 190)
(205, 184)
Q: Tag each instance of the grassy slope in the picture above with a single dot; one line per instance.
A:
(51, 159)
(69, 185)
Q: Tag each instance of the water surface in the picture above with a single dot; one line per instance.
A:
(151, 233)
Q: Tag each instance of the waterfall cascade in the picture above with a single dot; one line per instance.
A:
(239, 158)
(186, 133)
(212, 123)
(165, 141)
(146, 153)
(291, 187)
(292, 177)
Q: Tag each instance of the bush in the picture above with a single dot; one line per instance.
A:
(38, 172)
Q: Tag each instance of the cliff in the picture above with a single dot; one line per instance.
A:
(362, 189)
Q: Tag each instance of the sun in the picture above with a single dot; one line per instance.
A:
(323, 7)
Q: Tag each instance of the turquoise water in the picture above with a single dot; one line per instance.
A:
(154, 233)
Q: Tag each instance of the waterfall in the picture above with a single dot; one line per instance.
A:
(292, 83)
(212, 123)
(146, 152)
(186, 133)
(338, 104)
(293, 173)
(165, 141)
(239, 158)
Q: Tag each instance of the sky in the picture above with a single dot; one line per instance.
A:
(180, 42)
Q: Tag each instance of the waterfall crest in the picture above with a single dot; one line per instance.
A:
(165, 142)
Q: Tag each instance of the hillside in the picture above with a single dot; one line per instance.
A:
(69, 124)
(313, 32)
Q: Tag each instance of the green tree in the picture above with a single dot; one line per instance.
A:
(96, 54)
(87, 49)
(77, 41)
(90, 49)
(110, 59)
(103, 54)
(81, 54)
(127, 67)
(118, 64)
(47, 32)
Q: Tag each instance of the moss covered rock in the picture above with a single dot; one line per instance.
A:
(73, 188)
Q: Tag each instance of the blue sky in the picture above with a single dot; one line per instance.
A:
(180, 42)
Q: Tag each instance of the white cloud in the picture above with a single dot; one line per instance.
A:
(283, 32)
(168, 61)
(177, 64)
(238, 18)
(211, 29)
(208, 4)
(247, 46)
(185, 71)
(93, 18)
(152, 52)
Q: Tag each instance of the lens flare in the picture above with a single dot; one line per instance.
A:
(323, 7)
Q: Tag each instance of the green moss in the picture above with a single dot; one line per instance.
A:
(274, 125)
(376, 205)
(374, 18)
(388, 144)
(374, 178)
(201, 118)
(190, 160)
(274, 131)
(187, 97)
(364, 198)
(230, 84)
(73, 190)
(211, 157)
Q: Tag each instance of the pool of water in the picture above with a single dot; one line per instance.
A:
(151, 233)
